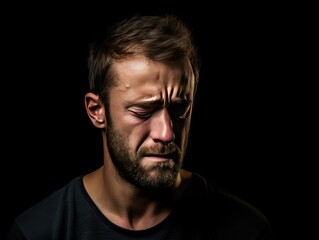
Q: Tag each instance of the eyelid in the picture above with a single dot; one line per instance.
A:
(186, 111)
(179, 108)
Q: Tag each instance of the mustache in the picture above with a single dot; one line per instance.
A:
(168, 149)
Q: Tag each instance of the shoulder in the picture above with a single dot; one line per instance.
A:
(56, 197)
(220, 196)
(41, 215)
(229, 212)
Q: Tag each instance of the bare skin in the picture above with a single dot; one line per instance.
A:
(140, 83)
(127, 206)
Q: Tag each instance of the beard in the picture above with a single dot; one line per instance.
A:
(154, 176)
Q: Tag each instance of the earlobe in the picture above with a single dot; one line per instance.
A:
(95, 109)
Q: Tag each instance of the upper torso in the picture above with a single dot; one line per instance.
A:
(204, 212)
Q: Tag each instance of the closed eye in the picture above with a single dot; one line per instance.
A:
(180, 109)
(143, 111)
(142, 114)
(177, 109)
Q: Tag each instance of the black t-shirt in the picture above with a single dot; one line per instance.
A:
(204, 212)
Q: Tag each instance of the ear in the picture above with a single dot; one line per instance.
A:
(95, 110)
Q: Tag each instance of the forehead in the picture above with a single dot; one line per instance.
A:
(141, 76)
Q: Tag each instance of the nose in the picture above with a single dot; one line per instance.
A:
(162, 127)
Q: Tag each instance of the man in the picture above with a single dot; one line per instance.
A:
(143, 78)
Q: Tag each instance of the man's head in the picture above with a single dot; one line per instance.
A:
(143, 78)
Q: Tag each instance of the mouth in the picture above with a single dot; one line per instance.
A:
(160, 157)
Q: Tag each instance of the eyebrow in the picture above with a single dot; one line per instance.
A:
(160, 103)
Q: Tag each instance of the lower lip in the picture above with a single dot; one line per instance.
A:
(156, 159)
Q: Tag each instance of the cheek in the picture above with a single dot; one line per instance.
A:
(137, 132)
(121, 120)
(181, 131)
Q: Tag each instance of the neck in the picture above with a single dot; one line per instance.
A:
(130, 207)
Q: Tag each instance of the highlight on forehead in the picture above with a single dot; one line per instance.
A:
(141, 65)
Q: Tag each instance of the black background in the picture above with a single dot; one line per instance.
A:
(246, 133)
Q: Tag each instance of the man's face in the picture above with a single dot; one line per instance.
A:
(148, 121)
